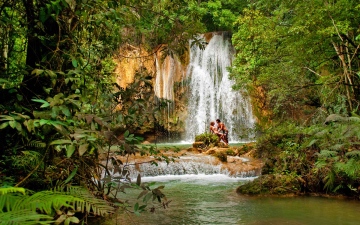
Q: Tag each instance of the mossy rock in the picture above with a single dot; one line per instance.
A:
(271, 184)
(222, 156)
(198, 144)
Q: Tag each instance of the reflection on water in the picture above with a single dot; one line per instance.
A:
(211, 199)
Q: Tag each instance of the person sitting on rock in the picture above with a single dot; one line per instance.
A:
(223, 131)
(214, 130)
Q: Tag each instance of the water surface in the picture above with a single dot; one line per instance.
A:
(211, 199)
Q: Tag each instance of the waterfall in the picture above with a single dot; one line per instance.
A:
(211, 95)
(164, 81)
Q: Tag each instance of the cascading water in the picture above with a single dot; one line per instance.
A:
(191, 164)
(211, 95)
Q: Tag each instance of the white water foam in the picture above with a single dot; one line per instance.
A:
(198, 178)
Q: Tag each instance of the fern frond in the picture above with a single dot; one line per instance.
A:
(337, 147)
(352, 168)
(312, 142)
(354, 119)
(6, 190)
(9, 197)
(37, 144)
(330, 180)
(8, 201)
(327, 154)
(28, 160)
(24, 217)
(321, 164)
(353, 154)
(46, 201)
(89, 203)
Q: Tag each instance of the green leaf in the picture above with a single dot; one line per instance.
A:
(83, 148)
(71, 176)
(37, 72)
(6, 190)
(74, 63)
(18, 126)
(12, 124)
(42, 122)
(45, 103)
(65, 110)
(67, 221)
(143, 193)
(4, 125)
(5, 117)
(61, 142)
(136, 206)
(74, 219)
(70, 149)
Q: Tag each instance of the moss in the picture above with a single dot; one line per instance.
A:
(222, 156)
(271, 185)
(207, 138)
(230, 152)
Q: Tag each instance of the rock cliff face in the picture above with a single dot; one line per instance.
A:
(189, 90)
(168, 83)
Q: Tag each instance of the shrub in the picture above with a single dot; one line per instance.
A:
(207, 138)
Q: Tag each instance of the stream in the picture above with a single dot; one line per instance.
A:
(210, 198)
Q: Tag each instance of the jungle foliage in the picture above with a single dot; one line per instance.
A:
(58, 98)
(59, 102)
(300, 61)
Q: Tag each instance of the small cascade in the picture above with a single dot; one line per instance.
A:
(211, 95)
(184, 165)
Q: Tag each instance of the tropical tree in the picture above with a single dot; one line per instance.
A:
(303, 55)
(58, 93)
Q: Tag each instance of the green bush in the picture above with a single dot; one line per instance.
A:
(207, 138)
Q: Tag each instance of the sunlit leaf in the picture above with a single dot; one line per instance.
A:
(74, 63)
(70, 149)
(61, 142)
(82, 149)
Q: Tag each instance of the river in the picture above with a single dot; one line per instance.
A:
(211, 199)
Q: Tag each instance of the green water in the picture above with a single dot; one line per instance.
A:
(211, 199)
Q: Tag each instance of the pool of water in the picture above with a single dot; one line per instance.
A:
(211, 199)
